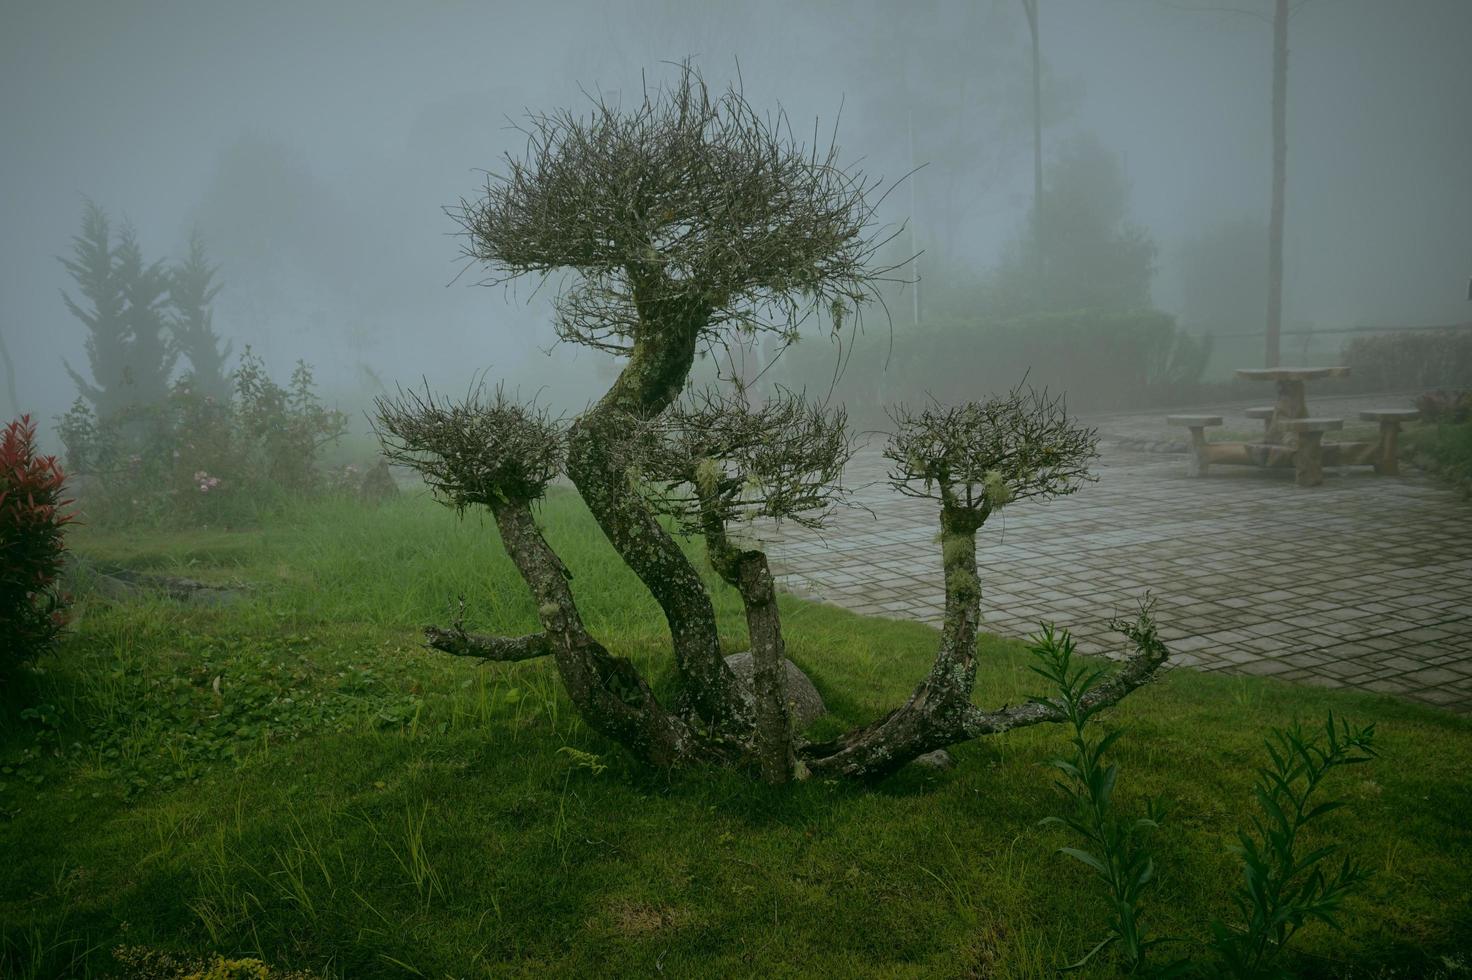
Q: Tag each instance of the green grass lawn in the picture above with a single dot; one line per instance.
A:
(350, 804)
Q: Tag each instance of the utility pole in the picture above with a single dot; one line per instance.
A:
(914, 252)
(1031, 9)
(10, 377)
(1280, 179)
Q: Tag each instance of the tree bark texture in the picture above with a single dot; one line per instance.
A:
(654, 376)
(608, 691)
(940, 712)
(935, 714)
(747, 571)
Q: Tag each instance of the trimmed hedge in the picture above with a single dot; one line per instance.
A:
(1409, 360)
(1099, 361)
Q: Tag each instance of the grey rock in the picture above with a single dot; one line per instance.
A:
(378, 484)
(125, 584)
(938, 760)
(803, 700)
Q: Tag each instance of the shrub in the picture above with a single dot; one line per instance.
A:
(194, 459)
(284, 428)
(1446, 448)
(1099, 360)
(32, 547)
(1409, 359)
(1445, 406)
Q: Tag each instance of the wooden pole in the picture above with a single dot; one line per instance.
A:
(1280, 179)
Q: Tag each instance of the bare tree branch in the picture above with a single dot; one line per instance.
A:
(691, 200)
(472, 451)
(981, 455)
(503, 649)
(712, 454)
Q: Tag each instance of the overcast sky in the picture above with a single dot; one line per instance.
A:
(315, 143)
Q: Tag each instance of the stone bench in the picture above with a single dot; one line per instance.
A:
(1308, 455)
(1265, 413)
(1389, 447)
(1198, 458)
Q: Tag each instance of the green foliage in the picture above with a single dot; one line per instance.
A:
(103, 301)
(1445, 406)
(193, 459)
(1286, 884)
(286, 852)
(478, 450)
(152, 355)
(980, 455)
(142, 963)
(1115, 851)
(284, 428)
(124, 308)
(32, 546)
(1447, 447)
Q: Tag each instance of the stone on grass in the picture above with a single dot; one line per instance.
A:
(378, 484)
(803, 700)
(939, 759)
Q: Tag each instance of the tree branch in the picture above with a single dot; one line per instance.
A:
(502, 649)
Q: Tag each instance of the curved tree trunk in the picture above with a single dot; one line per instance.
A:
(747, 571)
(653, 378)
(608, 691)
(940, 712)
(936, 713)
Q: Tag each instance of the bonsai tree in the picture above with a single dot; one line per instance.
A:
(689, 222)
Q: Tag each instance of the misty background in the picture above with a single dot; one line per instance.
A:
(314, 146)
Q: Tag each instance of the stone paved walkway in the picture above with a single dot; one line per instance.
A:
(1364, 581)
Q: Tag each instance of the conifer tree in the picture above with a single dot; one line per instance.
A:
(192, 289)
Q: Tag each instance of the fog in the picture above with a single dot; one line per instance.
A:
(315, 145)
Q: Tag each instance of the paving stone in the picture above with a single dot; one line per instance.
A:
(1363, 581)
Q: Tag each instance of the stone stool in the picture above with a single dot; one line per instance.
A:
(1390, 420)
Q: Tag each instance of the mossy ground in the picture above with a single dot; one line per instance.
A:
(348, 804)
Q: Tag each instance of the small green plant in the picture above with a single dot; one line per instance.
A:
(1285, 885)
(584, 760)
(142, 963)
(32, 546)
(1115, 847)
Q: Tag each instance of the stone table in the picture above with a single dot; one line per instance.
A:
(1291, 401)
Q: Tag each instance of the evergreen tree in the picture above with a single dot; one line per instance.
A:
(1084, 252)
(151, 356)
(192, 288)
(122, 305)
(93, 267)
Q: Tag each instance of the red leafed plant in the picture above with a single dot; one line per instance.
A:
(32, 548)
